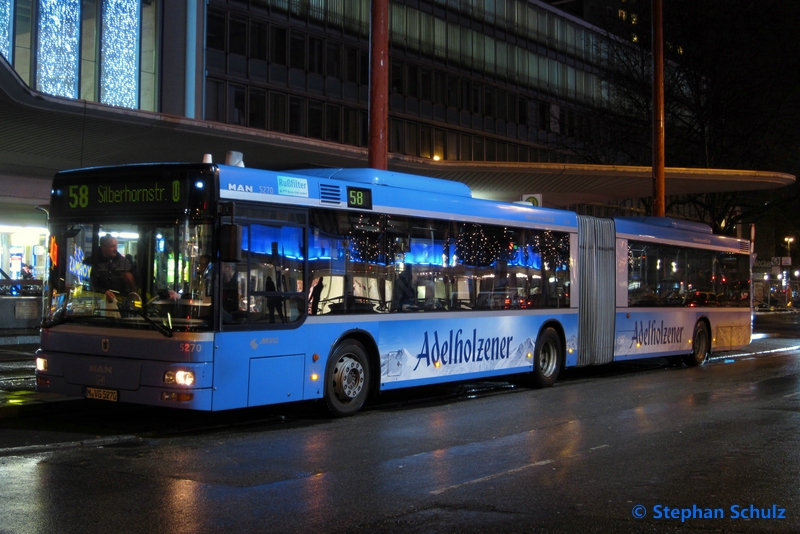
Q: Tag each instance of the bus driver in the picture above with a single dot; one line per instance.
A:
(112, 273)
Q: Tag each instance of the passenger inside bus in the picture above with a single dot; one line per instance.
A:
(313, 299)
(274, 301)
(404, 296)
(230, 292)
(202, 277)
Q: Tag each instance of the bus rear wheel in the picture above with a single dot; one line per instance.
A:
(701, 346)
(347, 379)
(547, 358)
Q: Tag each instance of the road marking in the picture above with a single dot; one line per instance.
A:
(720, 356)
(490, 477)
(796, 393)
(96, 442)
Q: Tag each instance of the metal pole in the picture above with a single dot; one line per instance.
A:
(658, 111)
(379, 86)
(191, 59)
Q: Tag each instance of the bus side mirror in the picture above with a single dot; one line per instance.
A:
(230, 243)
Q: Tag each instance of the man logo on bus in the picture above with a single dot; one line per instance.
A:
(240, 188)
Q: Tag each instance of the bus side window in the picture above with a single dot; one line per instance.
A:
(276, 274)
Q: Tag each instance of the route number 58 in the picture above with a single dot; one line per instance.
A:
(78, 196)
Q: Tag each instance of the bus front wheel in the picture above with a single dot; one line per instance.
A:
(347, 379)
(701, 346)
(547, 358)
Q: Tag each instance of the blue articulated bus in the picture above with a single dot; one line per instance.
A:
(213, 287)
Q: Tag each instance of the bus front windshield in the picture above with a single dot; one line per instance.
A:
(147, 276)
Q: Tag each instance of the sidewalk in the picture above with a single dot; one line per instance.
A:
(20, 398)
(17, 364)
(18, 336)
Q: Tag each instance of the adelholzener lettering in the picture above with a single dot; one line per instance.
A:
(455, 348)
(655, 334)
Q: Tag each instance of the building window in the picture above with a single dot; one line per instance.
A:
(426, 85)
(237, 46)
(277, 112)
(452, 145)
(258, 40)
(22, 40)
(425, 141)
(544, 116)
(257, 115)
(412, 139)
(476, 98)
(315, 119)
(315, 56)
(351, 64)
(488, 103)
(397, 81)
(6, 16)
(333, 123)
(89, 58)
(477, 148)
(397, 136)
(297, 116)
(334, 60)
(412, 86)
(214, 100)
(119, 60)
(491, 150)
(257, 55)
(57, 47)
(278, 46)
(297, 51)
(97, 50)
(215, 40)
(350, 127)
(236, 104)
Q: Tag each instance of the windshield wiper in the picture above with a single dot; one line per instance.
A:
(54, 322)
(160, 327)
(60, 317)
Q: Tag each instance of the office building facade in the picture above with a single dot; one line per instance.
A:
(501, 85)
(494, 81)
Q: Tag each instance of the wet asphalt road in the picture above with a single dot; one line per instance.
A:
(618, 450)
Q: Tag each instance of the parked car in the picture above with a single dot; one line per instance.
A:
(701, 299)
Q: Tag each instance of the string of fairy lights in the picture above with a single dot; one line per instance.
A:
(5, 28)
(119, 56)
(371, 239)
(59, 48)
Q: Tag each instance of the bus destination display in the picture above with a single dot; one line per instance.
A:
(359, 197)
(90, 196)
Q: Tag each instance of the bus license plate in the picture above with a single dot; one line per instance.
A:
(101, 394)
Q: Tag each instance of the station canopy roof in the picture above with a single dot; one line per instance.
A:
(41, 134)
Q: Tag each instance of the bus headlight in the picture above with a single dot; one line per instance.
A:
(182, 378)
(41, 364)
